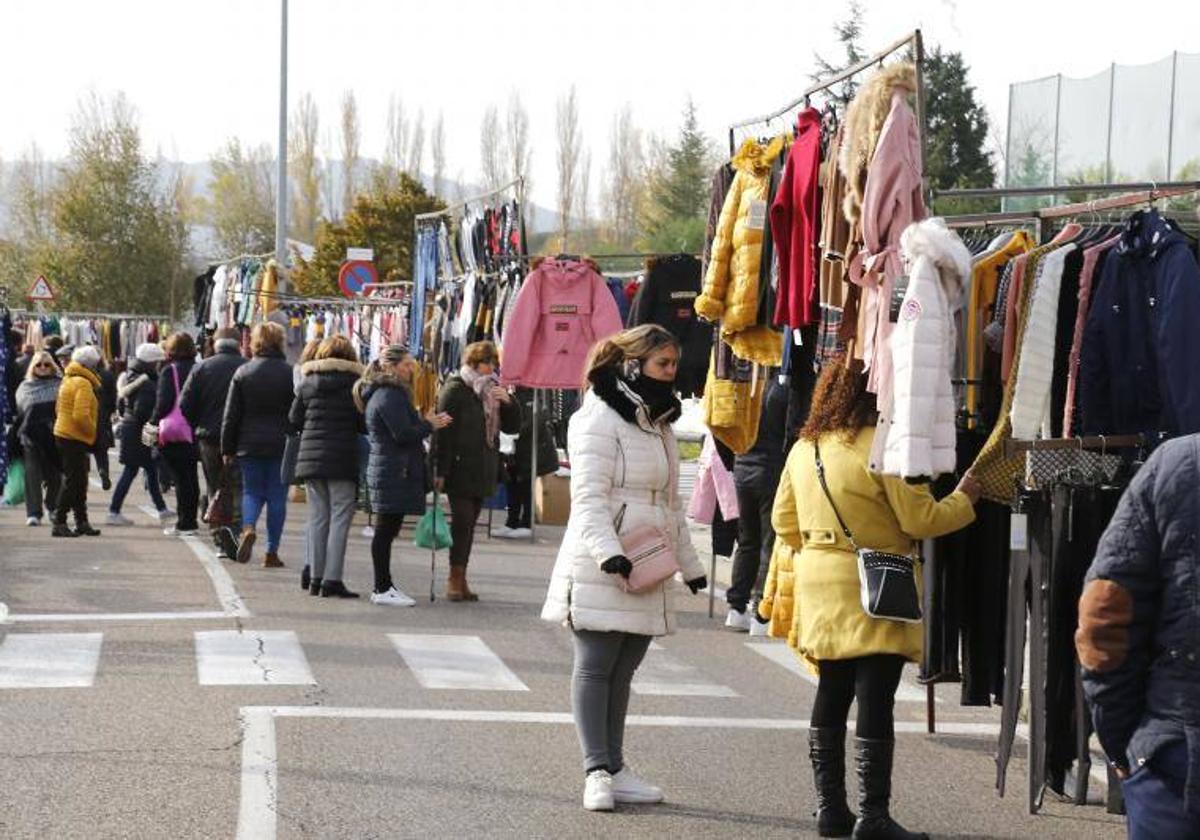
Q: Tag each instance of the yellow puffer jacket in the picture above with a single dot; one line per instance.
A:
(77, 408)
(731, 288)
(778, 604)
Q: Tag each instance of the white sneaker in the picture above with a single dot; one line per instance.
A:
(166, 514)
(117, 519)
(759, 628)
(628, 787)
(33, 521)
(598, 791)
(739, 620)
(519, 533)
(368, 531)
(502, 533)
(392, 598)
(175, 532)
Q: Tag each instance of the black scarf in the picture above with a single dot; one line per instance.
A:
(626, 396)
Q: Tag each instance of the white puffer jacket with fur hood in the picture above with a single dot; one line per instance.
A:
(618, 462)
(921, 439)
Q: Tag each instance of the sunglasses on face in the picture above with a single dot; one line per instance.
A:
(43, 365)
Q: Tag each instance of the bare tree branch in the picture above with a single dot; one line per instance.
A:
(569, 141)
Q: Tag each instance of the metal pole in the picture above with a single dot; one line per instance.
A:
(1112, 86)
(281, 173)
(1171, 115)
(533, 469)
(1054, 152)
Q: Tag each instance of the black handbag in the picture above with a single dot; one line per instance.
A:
(887, 582)
(291, 453)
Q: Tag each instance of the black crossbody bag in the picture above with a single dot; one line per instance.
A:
(887, 582)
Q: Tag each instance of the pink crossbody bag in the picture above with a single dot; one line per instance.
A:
(650, 551)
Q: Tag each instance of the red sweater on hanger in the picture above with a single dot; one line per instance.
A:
(795, 214)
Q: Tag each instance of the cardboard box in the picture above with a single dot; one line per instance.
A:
(552, 499)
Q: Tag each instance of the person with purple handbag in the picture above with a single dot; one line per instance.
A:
(614, 582)
(176, 442)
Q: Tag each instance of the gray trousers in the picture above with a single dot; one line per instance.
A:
(330, 512)
(39, 474)
(604, 666)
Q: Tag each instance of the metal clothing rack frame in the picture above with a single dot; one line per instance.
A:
(112, 316)
(451, 209)
(912, 40)
(1102, 442)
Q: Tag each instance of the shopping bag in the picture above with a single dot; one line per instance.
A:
(433, 531)
(14, 489)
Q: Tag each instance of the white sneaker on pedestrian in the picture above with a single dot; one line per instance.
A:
(739, 620)
(627, 786)
(392, 598)
(502, 533)
(598, 791)
(33, 521)
(759, 628)
(166, 514)
(368, 531)
(519, 533)
(176, 532)
(117, 519)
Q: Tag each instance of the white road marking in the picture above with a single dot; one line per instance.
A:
(664, 675)
(231, 602)
(781, 654)
(260, 775)
(197, 615)
(259, 657)
(49, 660)
(456, 662)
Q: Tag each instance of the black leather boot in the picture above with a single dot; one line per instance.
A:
(305, 577)
(873, 758)
(83, 528)
(827, 750)
(315, 587)
(336, 589)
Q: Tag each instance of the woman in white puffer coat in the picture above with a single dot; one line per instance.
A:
(624, 469)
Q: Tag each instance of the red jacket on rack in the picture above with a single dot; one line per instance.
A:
(795, 214)
(563, 308)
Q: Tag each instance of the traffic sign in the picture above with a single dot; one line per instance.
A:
(355, 276)
(40, 290)
(363, 254)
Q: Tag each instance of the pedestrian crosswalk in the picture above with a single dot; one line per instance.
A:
(435, 661)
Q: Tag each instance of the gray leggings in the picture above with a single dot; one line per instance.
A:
(330, 512)
(604, 666)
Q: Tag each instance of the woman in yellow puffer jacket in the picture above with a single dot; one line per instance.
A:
(731, 287)
(813, 592)
(77, 418)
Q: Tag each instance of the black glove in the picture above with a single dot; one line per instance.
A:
(697, 584)
(617, 565)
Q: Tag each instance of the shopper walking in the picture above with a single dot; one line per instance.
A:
(468, 451)
(203, 404)
(396, 477)
(137, 393)
(253, 431)
(328, 422)
(77, 411)
(518, 484)
(858, 657)
(624, 475)
(1137, 640)
(104, 426)
(33, 429)
(178, 449)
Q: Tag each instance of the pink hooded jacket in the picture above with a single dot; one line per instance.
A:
(714, 486)
(563, 308)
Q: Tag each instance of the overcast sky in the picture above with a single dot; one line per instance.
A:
(200, 71)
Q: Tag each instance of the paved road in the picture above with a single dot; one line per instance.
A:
(149, 690)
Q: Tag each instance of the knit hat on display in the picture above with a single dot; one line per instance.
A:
(87, 356)
(149, 353)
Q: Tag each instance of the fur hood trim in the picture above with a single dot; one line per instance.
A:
(755, 158)
(863, 123)
(933, 240)
(372, 381)
(331, 366)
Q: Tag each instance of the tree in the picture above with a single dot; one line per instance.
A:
(437, 143)
(382, 218)
(677, 193)
(416, 152)
(516, 141)
(242, 198)
(118, 234)
(569, 140)
(583, 211)
(351, 137)
(956, 132)
(490, 152)
(848, 33)
(395, 152)
(305, 169)
(623, 177)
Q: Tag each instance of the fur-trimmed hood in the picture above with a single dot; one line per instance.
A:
(371, 382)
(863, 123)
(755, 158)
(331, 366)
(932, 239)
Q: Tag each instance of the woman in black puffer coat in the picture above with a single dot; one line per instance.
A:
(396, 474)
(329, 424)
(137, 392)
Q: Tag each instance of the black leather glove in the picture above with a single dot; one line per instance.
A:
(697, 584)
(617, 565)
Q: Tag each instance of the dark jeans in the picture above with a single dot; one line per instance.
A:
(182, 459)
(101, 455)
(72, 496)
(872, 680)
(39, 473)
(387, 528)
(756, 539)
(1154, 801)
(464, 513)
(128, 474)
(520, 508)
(262, 485)
(217, 475)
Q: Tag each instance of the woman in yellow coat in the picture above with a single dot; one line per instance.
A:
(77, 415)
(814, 577)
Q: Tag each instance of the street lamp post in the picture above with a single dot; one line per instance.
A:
(281, 175)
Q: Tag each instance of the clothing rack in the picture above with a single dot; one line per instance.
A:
(912, 40)
(112, 316)
(1060, 189)
(1102, 442)
(213, 261)
(1035, 216)
(450, 209)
